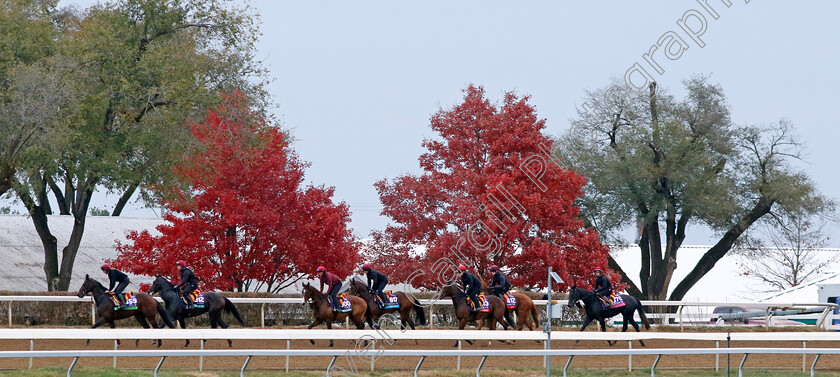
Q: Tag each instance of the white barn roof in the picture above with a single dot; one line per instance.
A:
(22, 267)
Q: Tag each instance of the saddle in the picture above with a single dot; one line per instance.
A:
(482, 306)
(343, 304)
(196, 298)
(393, 300)
(129, 298)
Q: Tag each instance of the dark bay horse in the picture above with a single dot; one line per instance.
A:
(323, 312)
(214, 304)
(464, 314)
(595, 311)
(147, 308)
(374, 312)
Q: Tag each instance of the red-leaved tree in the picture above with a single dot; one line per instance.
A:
(490, 193)
(242, 220)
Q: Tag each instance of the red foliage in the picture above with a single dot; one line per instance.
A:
(243, 221)
(491, 192)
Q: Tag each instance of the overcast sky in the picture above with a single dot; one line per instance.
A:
(356, 82)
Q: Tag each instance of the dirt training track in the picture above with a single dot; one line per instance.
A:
(793, 362)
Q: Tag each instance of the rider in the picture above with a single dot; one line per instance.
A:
(500, 284)
(116, 276)
(472, 286)
(188, 281)
(603, 288)
(376, 281)
(333, 283)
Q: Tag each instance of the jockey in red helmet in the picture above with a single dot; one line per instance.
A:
(472, 286)
(117, 278)
(500, 284)
(188, 283)
(603, 288)
(376, 281)
(333, 283)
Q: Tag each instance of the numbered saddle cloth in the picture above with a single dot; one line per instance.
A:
(510, 301)
(344, 304)
(393, 301)
(483, 308)
(197, 299)
(617, 302)
(130, 301)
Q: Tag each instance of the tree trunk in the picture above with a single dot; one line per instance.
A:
(719, 250)
(124, 199)
(39, 219)
(68, 257)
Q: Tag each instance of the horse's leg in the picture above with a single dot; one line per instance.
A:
(603, 323)
(313, 324)
(329, 327)
(586, 322)
(183, 324)
(462, 323)
(635, 325)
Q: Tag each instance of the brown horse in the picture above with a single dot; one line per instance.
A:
(147, 307)
(374, 312)
(464, 314)
(324, 313)
(524, 307)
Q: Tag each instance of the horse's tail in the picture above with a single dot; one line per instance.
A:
(643, 316)
(231, 308)
(536, 315)
(164, 315)
(419, 312)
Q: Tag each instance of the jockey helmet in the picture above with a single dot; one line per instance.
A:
(366, 267)
(106, 266)
(598, 269)
(494, 268)
(181, 263)
(320, 268)
(462, 267)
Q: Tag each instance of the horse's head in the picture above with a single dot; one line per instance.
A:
(357, 287)
(307, 292)
(575, 296)
(157, 285)
(449, 290)
(87, 286)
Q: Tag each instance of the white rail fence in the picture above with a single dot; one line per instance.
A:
(822, 310)
(383, 337)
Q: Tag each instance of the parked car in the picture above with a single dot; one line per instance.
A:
(757, 320)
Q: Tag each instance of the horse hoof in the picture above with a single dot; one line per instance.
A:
(87, 343)
(230, 343)
(137, 342)
(470, 342)
(312, 341)
(643, 343)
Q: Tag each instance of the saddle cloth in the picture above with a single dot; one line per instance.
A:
(197, 299)
(343, 304)
(130, 301)
(616, 302)
(483, 308)
(510, 300)
(393, 300)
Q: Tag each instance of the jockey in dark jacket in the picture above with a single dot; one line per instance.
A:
(376, 282)
(188, 283)
(333, 283)
(116, 276)
(603, 288)
(472, 286)
(500, 284)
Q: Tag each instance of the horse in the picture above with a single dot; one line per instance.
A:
(464, 314)
(147, 308)
(323, 312)
(214, 304)
(524, 307)
(595, 311)
(374, 312)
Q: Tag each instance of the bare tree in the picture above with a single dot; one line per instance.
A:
(787, 253)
